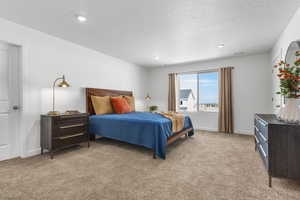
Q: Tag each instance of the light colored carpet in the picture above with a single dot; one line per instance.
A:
(208, 166)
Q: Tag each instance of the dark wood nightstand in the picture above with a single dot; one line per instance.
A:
(62, 131)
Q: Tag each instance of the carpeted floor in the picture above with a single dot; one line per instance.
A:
(209, 166)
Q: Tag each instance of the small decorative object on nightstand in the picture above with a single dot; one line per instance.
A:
(62, 131)
(153, 108)
(71, 112)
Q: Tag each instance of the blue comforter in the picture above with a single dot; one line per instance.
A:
(147, 129)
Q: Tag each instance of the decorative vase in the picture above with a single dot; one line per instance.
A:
(290, 112)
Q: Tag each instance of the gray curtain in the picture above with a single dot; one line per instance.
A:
(172, 92)
(225, 101)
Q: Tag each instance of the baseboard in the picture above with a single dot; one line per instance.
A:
(243, 132)
(206, 129)
(240, 132)
(32, 152)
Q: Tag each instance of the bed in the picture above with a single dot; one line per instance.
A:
(147, 129)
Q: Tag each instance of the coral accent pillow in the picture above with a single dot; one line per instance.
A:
(120, 105)
(130, 101)
(102, 105)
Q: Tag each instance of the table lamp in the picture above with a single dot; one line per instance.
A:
(147, 98)
(63, 83)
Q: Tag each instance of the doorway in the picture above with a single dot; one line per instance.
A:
(10, 73)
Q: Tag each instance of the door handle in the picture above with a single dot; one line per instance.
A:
(15, 107)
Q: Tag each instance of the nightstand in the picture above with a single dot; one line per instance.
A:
(62, 131)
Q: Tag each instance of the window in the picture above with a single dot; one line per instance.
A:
(198, 91)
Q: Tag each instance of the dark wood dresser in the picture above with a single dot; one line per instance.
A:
(59, 132)
(278, 144)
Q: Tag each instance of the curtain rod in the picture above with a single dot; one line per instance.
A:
(201, 71)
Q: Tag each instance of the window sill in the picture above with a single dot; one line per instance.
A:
(192, 112)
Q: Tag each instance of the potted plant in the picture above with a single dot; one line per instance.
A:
(289, 76)
(153, 108)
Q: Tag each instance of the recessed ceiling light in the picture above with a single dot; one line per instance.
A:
(81, 18)
(220, 46)
(156, 58)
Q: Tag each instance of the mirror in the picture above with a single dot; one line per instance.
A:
(290, 56)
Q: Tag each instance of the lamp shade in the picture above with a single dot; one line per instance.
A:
(63, 83)
(148, 97)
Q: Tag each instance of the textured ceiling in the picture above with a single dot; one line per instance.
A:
(174, 30)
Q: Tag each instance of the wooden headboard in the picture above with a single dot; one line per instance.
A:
(101, 92)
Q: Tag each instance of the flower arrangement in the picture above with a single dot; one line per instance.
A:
(289, 78)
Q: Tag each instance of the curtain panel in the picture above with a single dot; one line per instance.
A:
(225, 101)
(172, 92)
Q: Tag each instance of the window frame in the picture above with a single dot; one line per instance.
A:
(198, 90)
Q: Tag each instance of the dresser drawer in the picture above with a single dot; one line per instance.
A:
(71, 121)
(260, 136)
(262, 127)
(70, 130)
(262, 140)
(263, 155)
(64, 141)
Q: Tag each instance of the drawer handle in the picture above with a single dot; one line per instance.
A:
(262, 151)
(262, 122)
(257, 141)
(261, 135)
(71, 117)
(70, 136)
(71, 126)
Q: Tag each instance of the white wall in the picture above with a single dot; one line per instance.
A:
(291, 33)
(251, 89)
(44, 58)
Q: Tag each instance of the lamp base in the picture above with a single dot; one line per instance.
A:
(53, 113)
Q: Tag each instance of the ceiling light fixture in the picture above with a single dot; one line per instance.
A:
(156, 58)
(81, 18)
(220, 46)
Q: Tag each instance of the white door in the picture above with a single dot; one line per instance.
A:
(9, 101)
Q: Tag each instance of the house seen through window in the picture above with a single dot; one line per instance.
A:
(198, 91)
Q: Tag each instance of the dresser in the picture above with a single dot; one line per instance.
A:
(278, 144)
(62, 131)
